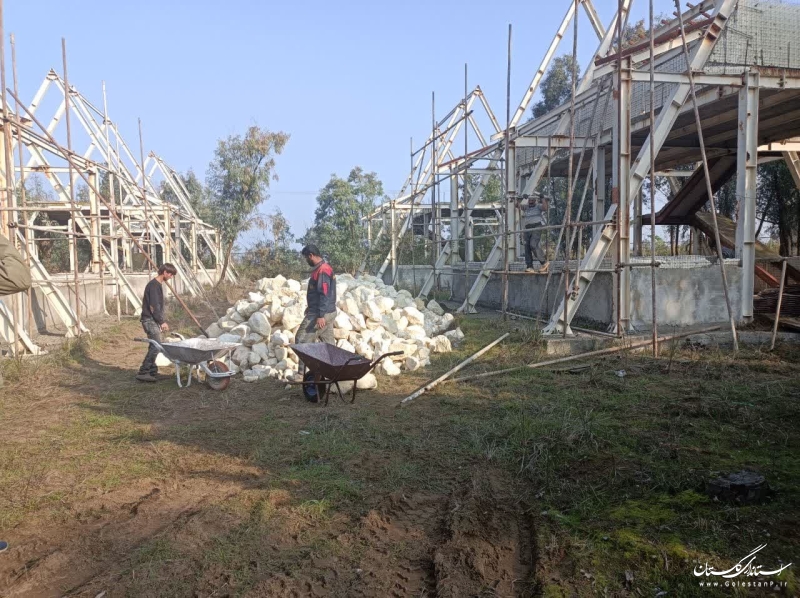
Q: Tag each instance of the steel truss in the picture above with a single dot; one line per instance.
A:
(134, 197)
(611, 144)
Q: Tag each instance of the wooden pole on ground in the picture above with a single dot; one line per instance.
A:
(449, 373)
(778, 308)
(608, 351)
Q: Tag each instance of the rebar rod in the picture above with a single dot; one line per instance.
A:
(22, 191)
(568, 213)
(508, 174)
(653, 182)
(709, 189)
(71, 185)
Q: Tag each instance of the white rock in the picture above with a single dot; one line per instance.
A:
(248, 309)
(272, 362)
(385, 304)
(364, 349)
(279, 338)
(414, 316)
(262, 350)
(412, 364)
(358, 322)
(343, 344)
(240, 355)
(251, 339)
(435, 307)
(350, 306)
(282, 365)
(423, 354)
(242, 330)
(281, 353)
(441, 344)
(447, 320)
(419, 303)
(293, 316)
(415, 332)
(341, 333)
(236, 318)
(259, 323)
(389, 368)
(402, 324)
(229, 338)
(455, 336)
(389, 324)
(402, 301)
(250, 376)
(371, 311)
(213, 331)
(257, 298)
(293, 285)
(342, 321)
(253, 357)
(367, 382)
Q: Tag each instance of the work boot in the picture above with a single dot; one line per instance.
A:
(545, 267)
(145, 378)
(530, 269)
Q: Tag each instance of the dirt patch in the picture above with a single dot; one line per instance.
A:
(490, 543)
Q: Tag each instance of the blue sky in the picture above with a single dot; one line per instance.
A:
(350, 81)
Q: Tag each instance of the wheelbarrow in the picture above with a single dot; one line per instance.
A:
(199, 354)
(328, 365)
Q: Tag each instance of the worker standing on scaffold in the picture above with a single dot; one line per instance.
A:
(534, 217)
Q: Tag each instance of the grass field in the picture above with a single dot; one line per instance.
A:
(543, 483)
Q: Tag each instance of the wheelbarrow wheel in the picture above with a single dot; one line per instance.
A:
(217, 367)
(313, 392)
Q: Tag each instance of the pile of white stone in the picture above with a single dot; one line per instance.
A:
(372, 319)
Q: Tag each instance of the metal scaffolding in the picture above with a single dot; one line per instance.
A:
(704, 97)
(122, 212)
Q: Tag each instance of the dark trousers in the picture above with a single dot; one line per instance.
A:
(153, 331)
(531, 240)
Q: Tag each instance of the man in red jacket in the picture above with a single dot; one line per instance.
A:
(321, 298)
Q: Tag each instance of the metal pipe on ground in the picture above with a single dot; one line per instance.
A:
(609, 351)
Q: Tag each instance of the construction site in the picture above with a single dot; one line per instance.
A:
(625, 421)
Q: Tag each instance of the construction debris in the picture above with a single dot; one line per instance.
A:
(372, 318)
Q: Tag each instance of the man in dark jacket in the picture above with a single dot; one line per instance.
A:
(153, 320)
(15, 276)
(321, 298)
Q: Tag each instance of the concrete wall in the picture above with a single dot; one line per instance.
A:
(685, 296)
(406, 276)
(524, 294)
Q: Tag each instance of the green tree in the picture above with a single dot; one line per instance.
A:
(338, 228)
(238, 181)
(556, 86)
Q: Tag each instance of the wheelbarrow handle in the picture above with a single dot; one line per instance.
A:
(382, 357)
(152, 342)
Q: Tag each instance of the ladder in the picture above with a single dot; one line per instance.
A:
(592, 261)
(41, 277)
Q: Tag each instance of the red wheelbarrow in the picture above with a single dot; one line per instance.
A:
(327, 365)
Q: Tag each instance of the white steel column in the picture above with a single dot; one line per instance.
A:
(621, 195)
(511, 197)
(599, 170)
(746, 175)
(94, 211)
(455, 232)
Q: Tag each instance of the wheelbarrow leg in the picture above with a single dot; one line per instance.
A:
(178, 373)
